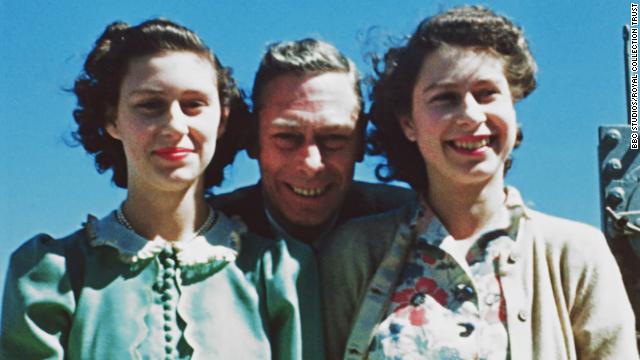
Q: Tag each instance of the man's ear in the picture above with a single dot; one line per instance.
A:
(408, 128)
(252, 144)
(362, 138)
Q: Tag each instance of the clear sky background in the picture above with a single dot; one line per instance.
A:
(47, 186)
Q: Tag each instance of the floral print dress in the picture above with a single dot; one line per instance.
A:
(447, 307)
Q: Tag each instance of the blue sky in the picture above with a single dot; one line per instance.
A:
(47, 186)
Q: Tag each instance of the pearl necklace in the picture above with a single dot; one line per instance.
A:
(208, 223)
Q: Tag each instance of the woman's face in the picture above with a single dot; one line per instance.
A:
(462, 116)
(167, 118)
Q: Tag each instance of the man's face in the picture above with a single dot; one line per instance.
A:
(309, 143)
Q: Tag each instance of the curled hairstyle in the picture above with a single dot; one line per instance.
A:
(301, 57)
(98, 86)
(467, 26)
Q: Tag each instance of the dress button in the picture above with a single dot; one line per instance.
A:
(167, 327)
(491, 299)
(522, 315)
(166, 297)
(168, 337)
(169, 273)
(166, 316)
(168, 349)
(354, 351)
(167, 251)
(169, 262)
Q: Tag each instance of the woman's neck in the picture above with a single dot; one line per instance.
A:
(467, 209)
(167, 215)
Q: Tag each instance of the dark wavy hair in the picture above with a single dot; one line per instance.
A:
(97, 90)
(396, 74)
(301, 57)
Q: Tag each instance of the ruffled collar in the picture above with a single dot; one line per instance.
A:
(219, 245)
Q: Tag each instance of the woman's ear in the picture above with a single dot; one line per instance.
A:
(224, 117)
(408, 128)
(110, 126)
(112, 130)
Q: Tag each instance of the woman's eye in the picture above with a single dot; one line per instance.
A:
(150, 106)
(485, 95)
(193, 107)
(445, 98)
(287, 141)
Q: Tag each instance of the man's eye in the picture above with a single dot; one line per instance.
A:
(288, 141)
(334, 142)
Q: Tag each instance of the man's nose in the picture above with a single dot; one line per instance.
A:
(312, 162)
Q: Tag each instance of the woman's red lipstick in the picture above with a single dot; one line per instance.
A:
(173, 153)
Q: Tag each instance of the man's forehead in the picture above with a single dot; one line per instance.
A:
(320, 123)
(310, 91)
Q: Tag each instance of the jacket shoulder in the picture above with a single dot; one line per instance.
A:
(371, 234)
(367, 198)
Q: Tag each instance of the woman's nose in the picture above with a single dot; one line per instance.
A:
(472, 112)
(177, 121)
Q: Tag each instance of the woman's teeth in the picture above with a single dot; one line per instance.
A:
(471, 145)
(308, 192)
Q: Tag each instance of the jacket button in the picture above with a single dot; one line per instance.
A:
(353, 351)
(513, 258)
(522, 315)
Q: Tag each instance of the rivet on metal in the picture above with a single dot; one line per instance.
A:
(612, 137)
(615, 196)
(613, 167)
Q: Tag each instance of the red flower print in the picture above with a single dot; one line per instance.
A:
(416, 296)
(428, 259)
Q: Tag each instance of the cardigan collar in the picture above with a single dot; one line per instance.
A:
(435, 232)
(221, 243)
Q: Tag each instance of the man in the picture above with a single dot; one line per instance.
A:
(307, 133)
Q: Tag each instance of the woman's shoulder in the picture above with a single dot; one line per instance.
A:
(45, 249)
(573, 237)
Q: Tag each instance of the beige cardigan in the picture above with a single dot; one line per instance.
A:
(564, 293)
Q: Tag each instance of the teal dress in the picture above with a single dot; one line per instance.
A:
(106, 293)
